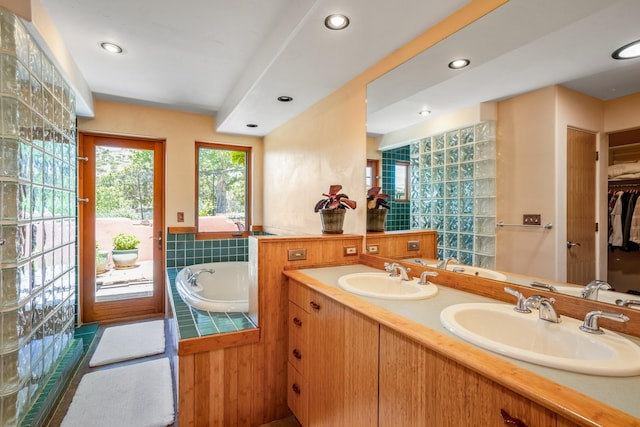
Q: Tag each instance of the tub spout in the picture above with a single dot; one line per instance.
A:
(192, 278)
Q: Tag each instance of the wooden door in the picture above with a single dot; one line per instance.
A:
(581, 206)
(108, 293)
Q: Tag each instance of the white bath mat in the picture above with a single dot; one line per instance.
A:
(127, 342)
(137, 395)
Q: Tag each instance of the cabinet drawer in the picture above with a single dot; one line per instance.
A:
(298, 332)
(297, 395)
(299, 294)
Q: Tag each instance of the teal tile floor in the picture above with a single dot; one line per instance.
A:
(194, 323)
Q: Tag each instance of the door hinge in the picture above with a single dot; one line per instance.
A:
(597, 156)
(597, 226)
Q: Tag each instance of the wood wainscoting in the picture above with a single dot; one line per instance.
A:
(242, 380)
(396, 244)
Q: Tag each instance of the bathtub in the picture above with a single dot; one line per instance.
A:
(226, 290)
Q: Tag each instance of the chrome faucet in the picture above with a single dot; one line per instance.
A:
(590, 324)
(397, 270)
(192, 278)
(545, 307)
(424, 275)
(442, 265)
(520, 307)
(545, 286)
(591, 290)
(627, 302)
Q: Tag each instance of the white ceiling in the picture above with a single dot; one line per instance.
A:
(522, 46)
(234, 58)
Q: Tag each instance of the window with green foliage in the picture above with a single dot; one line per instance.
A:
(223, 183)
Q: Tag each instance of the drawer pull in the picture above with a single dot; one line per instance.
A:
(297, 354)
(509, 420)
(297, 321)
(314, 305)
(295, 388)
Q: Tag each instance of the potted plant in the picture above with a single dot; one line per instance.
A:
(102, 259)
(377, 207)
(125, 251)
(332, 209)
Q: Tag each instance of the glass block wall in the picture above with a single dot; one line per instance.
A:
(453, 191)
(37, 218)
(399, 214)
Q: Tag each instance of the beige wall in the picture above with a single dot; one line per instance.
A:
(622, 113)
(180, 130)
(525, 152)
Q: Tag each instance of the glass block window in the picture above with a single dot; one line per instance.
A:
(38, 220)
(453, 191)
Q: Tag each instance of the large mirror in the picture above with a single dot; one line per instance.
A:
(506, 138)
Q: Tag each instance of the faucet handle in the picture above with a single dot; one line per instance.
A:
(423, 277)
(590, 324)
(520, 304)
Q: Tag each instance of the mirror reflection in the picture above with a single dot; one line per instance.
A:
(512, 138)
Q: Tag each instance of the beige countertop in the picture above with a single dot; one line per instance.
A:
(622, 393)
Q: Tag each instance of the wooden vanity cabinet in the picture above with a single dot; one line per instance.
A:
(352, 371)
(335, 380)
(419, 387)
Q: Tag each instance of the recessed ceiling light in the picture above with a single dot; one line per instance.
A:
(336, 22)
(111, 47)
(252, 125)
(629, 51)
(285, 98)
(456, 64)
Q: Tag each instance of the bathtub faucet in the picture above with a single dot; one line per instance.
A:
(192, 278)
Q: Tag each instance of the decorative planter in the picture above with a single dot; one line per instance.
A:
(332, 220)
(375, 219)
(102, 259)
(124, 258)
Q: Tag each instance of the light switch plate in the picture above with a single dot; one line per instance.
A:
(373, 249)
(350, 250)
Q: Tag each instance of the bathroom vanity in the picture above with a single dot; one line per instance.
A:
(363, 361)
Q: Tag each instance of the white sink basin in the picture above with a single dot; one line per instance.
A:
(381, 285)
(603, 295)
(485, 273)
(496, 327)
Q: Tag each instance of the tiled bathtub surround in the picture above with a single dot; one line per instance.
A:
(196, 323)
(37, 218)
(398, 217)
(184, 250)
(453, 191)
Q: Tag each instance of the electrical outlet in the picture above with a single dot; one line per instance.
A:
(296, 254)
(413, 245)
(350, 250)
(180, 216)
(531, 219)
(373, 249)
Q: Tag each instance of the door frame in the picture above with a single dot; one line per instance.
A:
(128, 309)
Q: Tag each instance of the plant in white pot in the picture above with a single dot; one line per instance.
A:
(332, 209)
(125, 250)
(377, 208)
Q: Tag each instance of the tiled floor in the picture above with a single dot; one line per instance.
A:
(84, 368)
